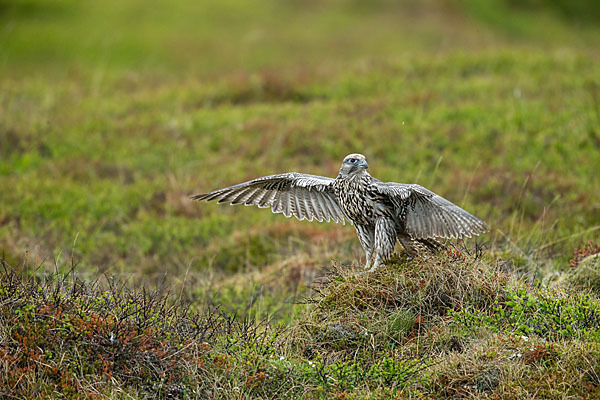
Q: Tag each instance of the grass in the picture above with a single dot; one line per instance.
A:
(112, 115)
(454, 325)
(146, 150)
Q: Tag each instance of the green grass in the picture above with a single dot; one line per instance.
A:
(113, 114)
(510, 136)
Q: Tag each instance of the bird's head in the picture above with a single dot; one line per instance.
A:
(353, 164)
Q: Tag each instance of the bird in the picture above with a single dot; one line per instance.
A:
(382, 213)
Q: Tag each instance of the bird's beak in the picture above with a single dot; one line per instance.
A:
(363, 164)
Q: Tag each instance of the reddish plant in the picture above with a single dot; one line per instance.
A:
(582, 252)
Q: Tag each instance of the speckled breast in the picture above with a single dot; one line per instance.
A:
(355, 201)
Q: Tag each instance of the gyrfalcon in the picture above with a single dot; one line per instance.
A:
(382, 212)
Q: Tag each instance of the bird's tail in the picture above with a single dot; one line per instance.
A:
(432, 245)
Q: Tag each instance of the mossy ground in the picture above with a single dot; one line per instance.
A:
(113, 113)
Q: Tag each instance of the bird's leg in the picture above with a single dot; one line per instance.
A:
(366, 236)
(369, 256)
(385, 239)
(376, 264)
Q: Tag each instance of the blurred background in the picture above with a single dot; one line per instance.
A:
(215, 38)
(113, 113)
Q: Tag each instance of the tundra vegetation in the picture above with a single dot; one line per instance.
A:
(113, 284)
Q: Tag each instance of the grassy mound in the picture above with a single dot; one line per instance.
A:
(389, 307)
(452, 325)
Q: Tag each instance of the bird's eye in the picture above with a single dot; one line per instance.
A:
(352, 160)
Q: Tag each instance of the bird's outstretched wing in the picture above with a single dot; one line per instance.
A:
(304, 196)
(427, 215)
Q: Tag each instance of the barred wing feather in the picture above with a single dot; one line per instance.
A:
(427, 215)
(301, 195)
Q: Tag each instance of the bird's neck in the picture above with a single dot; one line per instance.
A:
(357, 177)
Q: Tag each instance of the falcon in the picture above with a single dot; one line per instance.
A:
(381, 212)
